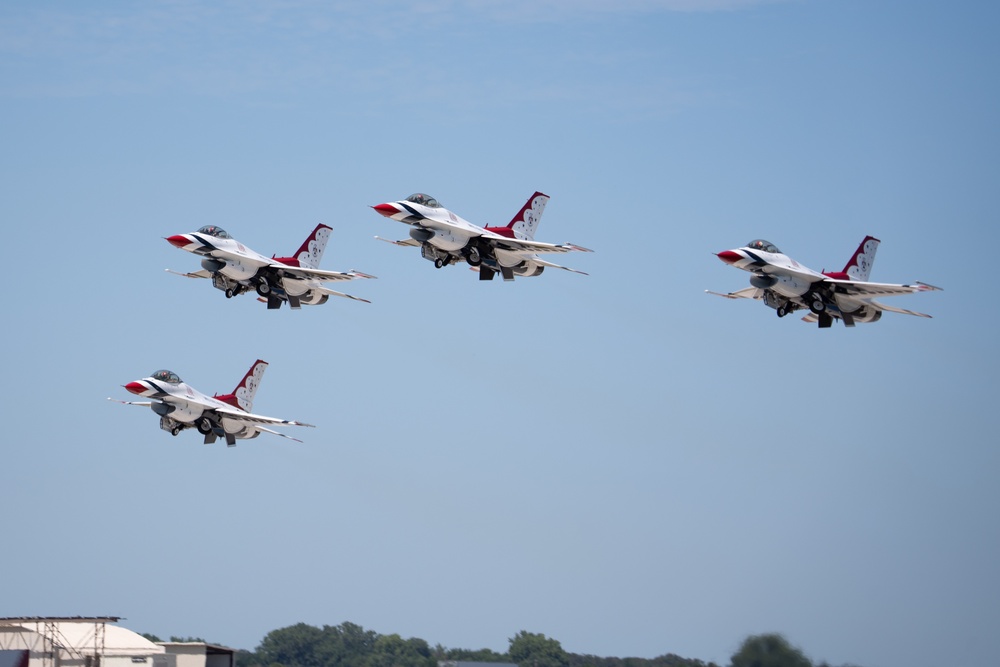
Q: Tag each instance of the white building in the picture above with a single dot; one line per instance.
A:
(79, 641)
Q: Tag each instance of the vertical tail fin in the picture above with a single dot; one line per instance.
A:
(242, 396)
(525, 223)
(860, 266)
(311, 251)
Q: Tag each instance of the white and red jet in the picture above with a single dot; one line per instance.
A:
(785, 285)
(444, 238)
(180, 406)
(235, 269)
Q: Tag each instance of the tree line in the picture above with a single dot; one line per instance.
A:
(350, 645)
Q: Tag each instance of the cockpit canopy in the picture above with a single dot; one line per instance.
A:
(166, 376)
(425, 200)
(215, 231)
(765, 246)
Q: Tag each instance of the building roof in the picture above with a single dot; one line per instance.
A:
(81, 634)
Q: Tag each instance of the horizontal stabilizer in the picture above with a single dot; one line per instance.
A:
(341, 294)
(557, 266)
(267, 430)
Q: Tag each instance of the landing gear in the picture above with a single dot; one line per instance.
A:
(263, 288)
(816, 304)
(230, 293)
(176, 429)
(473, 257)
(204, 426)
(783, 310)
(438, 263)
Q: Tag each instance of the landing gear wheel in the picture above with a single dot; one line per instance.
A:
(817, 306)
(438, 263)
(230, 293)
(175, 430)
(474, 258)
(263, 288)
(782, 311)
(204, 426)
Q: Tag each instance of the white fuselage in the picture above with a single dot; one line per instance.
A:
(452, 233)
(189, 405)
(792, 279)
(241, 263)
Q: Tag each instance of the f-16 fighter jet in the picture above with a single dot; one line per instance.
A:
(785, 285)
(227, 415)
(445, 238)
(235, 269)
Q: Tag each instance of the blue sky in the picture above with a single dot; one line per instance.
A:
(618, 460)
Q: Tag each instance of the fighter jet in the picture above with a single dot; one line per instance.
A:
(445, 238)
(785, 285)
(236, 269)
(228, 415)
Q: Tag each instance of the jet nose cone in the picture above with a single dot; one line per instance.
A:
(729, 256)
(388, 210)
(135, 387)
(178, 240)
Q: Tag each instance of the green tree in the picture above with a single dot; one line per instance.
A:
(528, 649)
(150, 637)
(768, 650)
(394, 651)
(293, 646)
(469, 655)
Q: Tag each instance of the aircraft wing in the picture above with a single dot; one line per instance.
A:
(746, 293)
(194, 274)
(142, 403)
(306, 273)
(405, 242)
(240, 415)
(857, 288)
(520, 245)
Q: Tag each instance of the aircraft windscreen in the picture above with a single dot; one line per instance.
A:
(423, 199)
(166, 376)
(761, 244)
(213, 230)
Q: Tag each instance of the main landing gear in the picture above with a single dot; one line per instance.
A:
(473, 256)
(816, 304)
